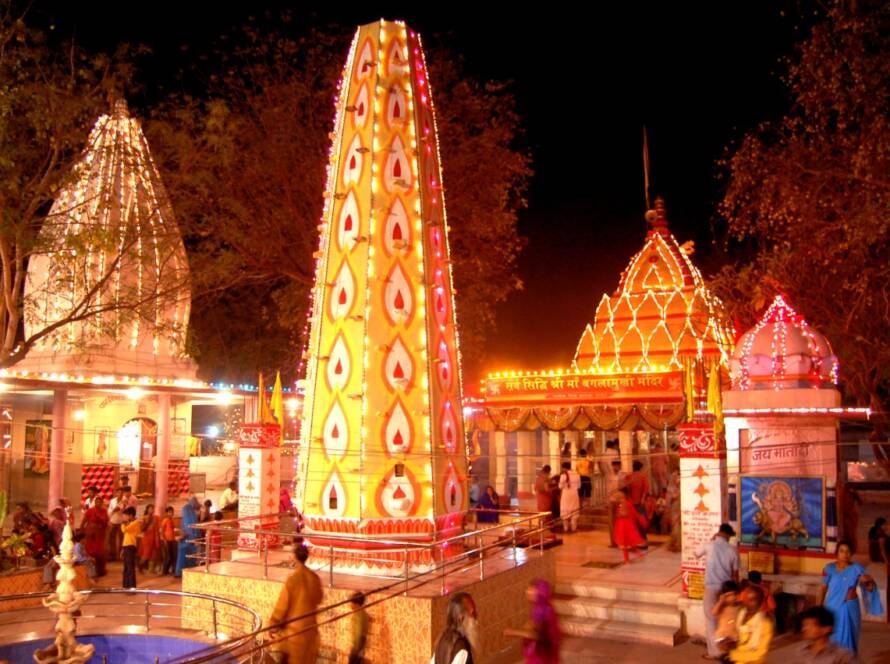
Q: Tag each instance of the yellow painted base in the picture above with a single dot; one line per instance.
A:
(788, 564)
(403, 629)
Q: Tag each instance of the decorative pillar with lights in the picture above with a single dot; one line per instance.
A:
(259, 479)
(382, 440)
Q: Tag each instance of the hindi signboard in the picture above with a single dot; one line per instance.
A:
(702, 479)
(585, 387)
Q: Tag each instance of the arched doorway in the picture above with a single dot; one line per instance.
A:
(137, 447)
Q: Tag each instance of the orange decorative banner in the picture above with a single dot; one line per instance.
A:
(584, 388)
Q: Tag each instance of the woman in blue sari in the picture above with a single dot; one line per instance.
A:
(187, 546)
(840, 583)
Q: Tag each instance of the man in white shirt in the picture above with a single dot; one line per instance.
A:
(228, 501)
(569, 501)
(90, 500)
(614, 483)
(721, 565)
(115, 536)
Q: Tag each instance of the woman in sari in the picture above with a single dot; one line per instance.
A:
(94, 526)
(150, 546)
(544, 647)
(187, 546)
(540, 637)
(840, 583)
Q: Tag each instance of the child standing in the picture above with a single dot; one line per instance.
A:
(168, 539)
(628, 522)
(131, 529)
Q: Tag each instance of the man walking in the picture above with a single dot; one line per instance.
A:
(721, 565)
(300, 595)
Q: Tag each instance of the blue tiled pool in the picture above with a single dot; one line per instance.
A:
(117, 648)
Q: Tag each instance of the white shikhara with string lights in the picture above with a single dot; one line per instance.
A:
(110, 267)
(382, 448)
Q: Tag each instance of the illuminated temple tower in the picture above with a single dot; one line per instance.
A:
(383, 448)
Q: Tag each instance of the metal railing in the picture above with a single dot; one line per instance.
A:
(528, 529)
(395, 555)
(115, 610)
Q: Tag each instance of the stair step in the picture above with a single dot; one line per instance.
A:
(581, 588)
(616, 630)
(596, 608)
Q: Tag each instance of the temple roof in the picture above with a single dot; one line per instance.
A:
(782, 351)
(110, 249)
(661, 314)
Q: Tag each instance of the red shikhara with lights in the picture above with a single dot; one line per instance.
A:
(383, 449)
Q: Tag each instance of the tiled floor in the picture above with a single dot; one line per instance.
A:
(658, 568)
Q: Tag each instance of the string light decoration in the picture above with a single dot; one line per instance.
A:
(382, 447)
(661, 315)
(110, 253)
(782, 351)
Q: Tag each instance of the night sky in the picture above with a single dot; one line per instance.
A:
(586, 82)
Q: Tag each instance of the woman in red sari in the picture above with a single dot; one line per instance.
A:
(150, 547)
(94, 526)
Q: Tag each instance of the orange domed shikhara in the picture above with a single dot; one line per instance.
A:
(660, 318)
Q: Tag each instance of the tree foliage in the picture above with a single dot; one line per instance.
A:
(809, 195)
(244, 155)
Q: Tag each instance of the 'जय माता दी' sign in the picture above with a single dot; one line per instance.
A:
(584, 387)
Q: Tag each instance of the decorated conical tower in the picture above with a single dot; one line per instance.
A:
(383, 443)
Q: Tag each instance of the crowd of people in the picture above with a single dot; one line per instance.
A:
(635, 508)
(741, 615)
(121, 530)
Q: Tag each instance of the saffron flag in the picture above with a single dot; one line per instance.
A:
(276, 405)
(262, 412)
(715, 399)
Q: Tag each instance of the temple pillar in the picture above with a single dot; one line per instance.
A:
(553, 450)
(162, 464)
(497, 463)
(526, 460)
(626, 450)
(57, 449)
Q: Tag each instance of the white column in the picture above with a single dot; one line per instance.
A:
(162, 469)
(57, 450)
(497, 452)
(626, 450)
(525, 448)
(553, 449)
